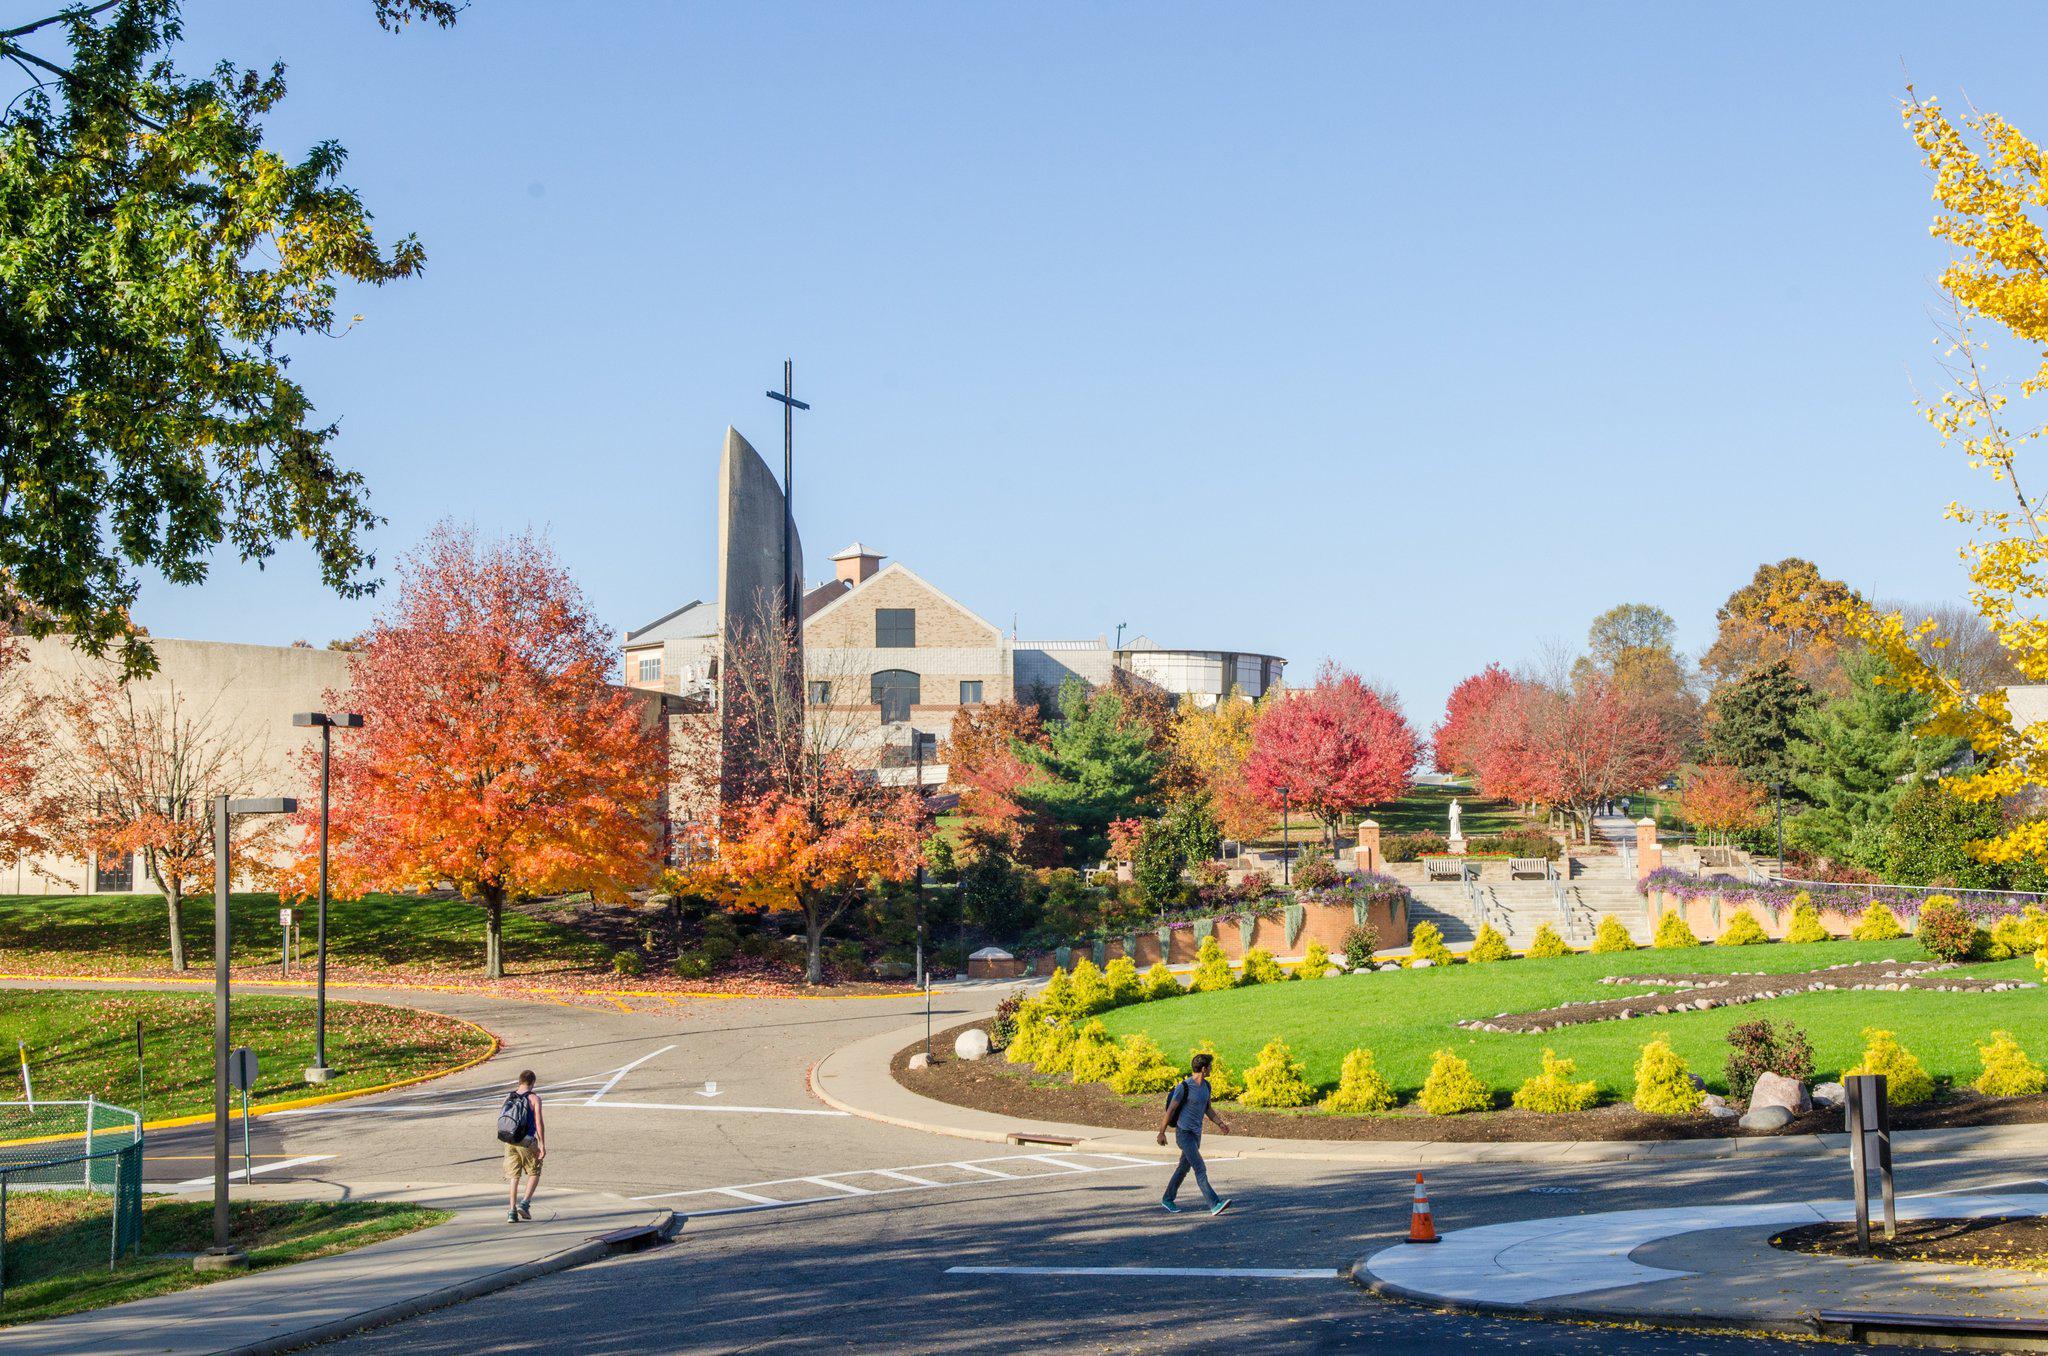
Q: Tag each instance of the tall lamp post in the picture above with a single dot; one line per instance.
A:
(1286, 839)
(327, 725)
(917, 739)
(223, 1255)
(1778, 809)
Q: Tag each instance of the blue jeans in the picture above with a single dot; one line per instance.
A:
(1190, 1142)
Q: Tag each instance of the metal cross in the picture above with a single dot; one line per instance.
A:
(791, 603)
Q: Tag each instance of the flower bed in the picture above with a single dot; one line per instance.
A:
(1279, 925)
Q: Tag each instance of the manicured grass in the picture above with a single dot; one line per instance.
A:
(1427, 809)
(1405, 1016)
(117, 932)
(82, 1044)
(57, 1245)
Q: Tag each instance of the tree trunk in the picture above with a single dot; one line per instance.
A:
(494, 935)
(174, 901)
(814, 937)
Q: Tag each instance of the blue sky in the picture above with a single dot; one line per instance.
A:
(1411, 336)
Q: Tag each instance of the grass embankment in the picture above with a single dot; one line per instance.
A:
(1404, 1016)
(124, 934)
(57, 1245)
(1424, 809)
(82, 1043)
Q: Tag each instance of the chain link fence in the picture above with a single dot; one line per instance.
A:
(88, 1146)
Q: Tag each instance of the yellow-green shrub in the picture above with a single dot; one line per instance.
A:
(1672, 932)
(1091, 992)
(1160, 983)
(1906, 1080)
(2041, 960)
(2019, 934)
(1452, 1088)
(1611, 936)
(1141, 1066)
(1315, 961)
(1057, 997)
(1025, 1045)
(1121, 975)
(1276, 1079)
(1055, 1049)
(1361, 1088)
(1663, 1086)
(1224, 1084)
(2007, 1070)
(1878, 924)
(1546, 943)
(1805, 926)
(1093, 1056)
(1261, 968)
(1489, 945)
(1212, 972)
(1426, 940)
(1742, 930)
(1553, 1090)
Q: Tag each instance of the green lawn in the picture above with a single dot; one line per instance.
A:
(57, 1245)
(1404, 1016)
(113, 933)
(82, 1043)
(1427, 809)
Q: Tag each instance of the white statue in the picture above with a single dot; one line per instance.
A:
(1457, 816)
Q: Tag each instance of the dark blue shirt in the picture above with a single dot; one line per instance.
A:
(1194, 1101)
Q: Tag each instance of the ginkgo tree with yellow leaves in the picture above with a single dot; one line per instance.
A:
(1988, 180)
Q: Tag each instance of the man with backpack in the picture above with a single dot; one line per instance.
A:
(525, 1136)
(1186, 1107)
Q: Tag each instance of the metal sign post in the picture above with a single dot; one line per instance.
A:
(242, 1071)
(1870, 1118)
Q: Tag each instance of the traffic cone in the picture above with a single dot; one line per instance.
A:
(1421, 1224)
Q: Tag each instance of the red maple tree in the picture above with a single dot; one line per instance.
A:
(1459, 736)
(1331, 749)
(1573, 747)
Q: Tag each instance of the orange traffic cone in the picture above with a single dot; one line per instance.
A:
(1421, 1224)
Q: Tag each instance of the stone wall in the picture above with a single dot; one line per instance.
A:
(1325, 923)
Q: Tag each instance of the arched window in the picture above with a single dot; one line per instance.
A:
(896, 691)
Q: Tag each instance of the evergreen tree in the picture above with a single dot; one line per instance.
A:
(1756, 722)
(1098, 764)
(1853, 760)
(1927, 841)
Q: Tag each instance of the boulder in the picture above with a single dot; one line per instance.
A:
(894, 969)
(1422, 964)
(1775, 1089)
(920, 1060)
(1766, 1118)
(1830, 1095)
(971, 1043)
(1697, 1081)
(1715, 1105)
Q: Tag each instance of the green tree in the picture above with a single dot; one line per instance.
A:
(1928, 839)
(1756, 721)
(1160, 864)
(1098, 764)
(154, 252)
(1200, 836)
(1625, 629)
(994, 897)
(1854, 759)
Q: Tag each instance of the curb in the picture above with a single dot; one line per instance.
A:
(1360, 1276)
(590, 1250)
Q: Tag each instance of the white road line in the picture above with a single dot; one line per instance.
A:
(751, 1191)
(718, 1110)
(1060, 1163)
(905, 1177)
(239, 1175)
(986, 1172)
(598, 1096)
(743, 1195)
(1206, 1273)
(848, 1188)
(1126, 1158)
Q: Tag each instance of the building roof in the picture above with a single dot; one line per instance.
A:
(856, 551)
(694, 618)
(898, 567)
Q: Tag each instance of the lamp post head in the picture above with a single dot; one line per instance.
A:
(340, 720)
(264, 805)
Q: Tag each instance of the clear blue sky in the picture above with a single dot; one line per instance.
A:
(1411, 336)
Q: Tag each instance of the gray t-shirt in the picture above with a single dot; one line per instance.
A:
(1194, 1101)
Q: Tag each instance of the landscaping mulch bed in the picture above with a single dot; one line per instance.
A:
(2020, 1243)
(997, 1086)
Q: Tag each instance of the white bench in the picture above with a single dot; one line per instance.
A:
(1529, 868)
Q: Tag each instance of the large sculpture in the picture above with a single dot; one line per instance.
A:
(761, 644)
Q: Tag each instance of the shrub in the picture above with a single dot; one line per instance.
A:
(2007, 1070)
(2041, 960)
(1276, 1079)
(1945, 932)
(1878, 924)
(1315, 871)
(1742, 929)
(1611, 936)
(1672, 932)
(1160, 983)
(1223, 1081)
(1553, 1090)
(939, 860)
(1452, 1088)
(1546, 944)
(1057, 997)
(1094, 1056)
(1141, 1066)
(1027, 1041)
(1315, 961)
(1121, 978)
(692, 965)
(1663, 1086)
(1055, 1048)
(1253, 886)
(721, 940)
(1261, 968)
(1002, 1028)
(1361, 1088)
(1518, 843)
(1427, 942)
(1212, 972)
(628, 963)
(849, 957)
(1489, 945)
(1409, 847)
(1361, 940)
(1091, 993)
(1762, 1047)
(1906, 1080)
(2019, 934)
(1805, 925)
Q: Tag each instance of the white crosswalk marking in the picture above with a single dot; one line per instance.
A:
(785, 1192)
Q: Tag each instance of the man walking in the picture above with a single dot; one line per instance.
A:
(1186, 1106)
(525, 1135)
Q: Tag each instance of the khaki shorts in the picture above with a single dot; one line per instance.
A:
(522, 1159)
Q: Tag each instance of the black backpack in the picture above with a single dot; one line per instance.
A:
(515, 1120)
(1176, 1095)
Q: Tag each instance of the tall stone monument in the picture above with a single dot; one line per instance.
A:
(757, 606)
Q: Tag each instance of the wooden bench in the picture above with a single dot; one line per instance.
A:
(1529, 868)
(1443, 868)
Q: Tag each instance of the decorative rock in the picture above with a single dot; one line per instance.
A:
(1715, 1105)
(920, 1060)
(1766, 1118)
(1830, 1095)
(971, 1043)
(1775, 1089)
(1422, 964)
(1696, 1081)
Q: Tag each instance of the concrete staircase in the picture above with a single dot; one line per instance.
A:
(1600, 886)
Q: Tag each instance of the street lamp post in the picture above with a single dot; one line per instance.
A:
(1286, 839)
(1778, 809)
(223, 1255)
(917, 742)
(327, 725)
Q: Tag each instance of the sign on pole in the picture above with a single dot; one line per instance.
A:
(1870, 1119)
(242, 1067)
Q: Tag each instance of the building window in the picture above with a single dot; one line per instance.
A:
(650, 670)
(821, 694)
(970, 692)
(895, 628)
(115, 875)
(896, 691)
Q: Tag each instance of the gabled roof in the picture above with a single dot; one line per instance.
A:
(694, 618)
(899, 567)
(856, 551)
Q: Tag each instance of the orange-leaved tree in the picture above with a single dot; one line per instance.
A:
(1717, 798)
(27, 806)
(496, 755)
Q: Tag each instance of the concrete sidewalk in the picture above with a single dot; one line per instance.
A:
(857, 1078)
(293, 1306)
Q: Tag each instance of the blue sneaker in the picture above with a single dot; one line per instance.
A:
(1220, 1206)
(1169, 1207)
